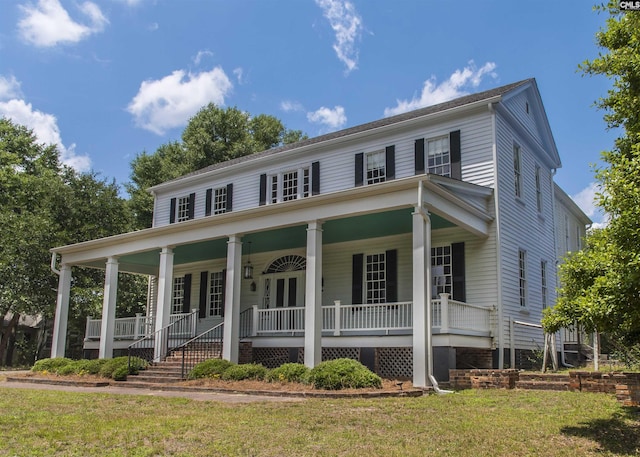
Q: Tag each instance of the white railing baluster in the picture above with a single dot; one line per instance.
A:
(337, 318)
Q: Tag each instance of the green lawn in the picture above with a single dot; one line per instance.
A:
(473, 423)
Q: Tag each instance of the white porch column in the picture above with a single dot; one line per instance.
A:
(165, 296)
(231, 334)
(313, 297)
(108, 309)
(422, 350)
(59, 340)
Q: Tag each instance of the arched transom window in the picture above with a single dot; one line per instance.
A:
(287, 263)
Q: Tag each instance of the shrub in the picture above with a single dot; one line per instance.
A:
(51, 365)
(288, 372)
(212, 368)
(120, 373)
(111, 366)
(342, 374)
(244, 371)
(136, 364)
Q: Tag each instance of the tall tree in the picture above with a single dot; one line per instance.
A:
(213, 135)
(44, 204)
(601, 287)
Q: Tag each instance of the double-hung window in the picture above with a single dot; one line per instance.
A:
(375, 278)
(441, 270)
(220, 200)
(517, 170)
(182, 208)
(538, 190)
(290, 185)
(216, 294)
(522, 273)
(376, 171)
(177, 302)
(438, 156)
(543, 278)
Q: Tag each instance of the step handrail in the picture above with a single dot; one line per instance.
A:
(145, 347)
(208, 343)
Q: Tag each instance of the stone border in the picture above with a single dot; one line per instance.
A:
(198, 389)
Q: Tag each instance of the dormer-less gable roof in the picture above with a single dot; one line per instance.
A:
(489, 96)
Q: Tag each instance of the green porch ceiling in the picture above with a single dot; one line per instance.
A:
(335, 231)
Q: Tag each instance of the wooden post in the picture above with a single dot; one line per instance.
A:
(444, 313)
(256, 321)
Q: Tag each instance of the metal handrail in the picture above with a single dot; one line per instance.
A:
(145, 347)
(207, 345)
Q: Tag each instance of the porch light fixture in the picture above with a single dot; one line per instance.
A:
(248, 268)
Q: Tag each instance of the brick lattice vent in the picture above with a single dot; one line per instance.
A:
(394, 363)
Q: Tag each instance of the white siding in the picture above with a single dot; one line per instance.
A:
(338, 163)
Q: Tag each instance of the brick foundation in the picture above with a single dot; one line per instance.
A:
(483, 379)
(474, 358)
(245, 353)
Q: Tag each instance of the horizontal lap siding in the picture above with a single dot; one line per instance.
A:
(522, 227)
(337, 164)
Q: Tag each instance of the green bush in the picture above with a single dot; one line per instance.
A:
(244, 371)
(136, 364)
(120, 373)
(288, 372)
(51, 365)
(342, 374)
(212, 368)
(111, 366)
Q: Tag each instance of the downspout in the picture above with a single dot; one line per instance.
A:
(498, 249)
(432, 379)
(54, 258)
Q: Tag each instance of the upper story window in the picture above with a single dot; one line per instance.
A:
(543, 279)
(439, 155)
(538, 190)
(219, 200)
(517, 170)
(182, 208)
(376, 162)
(374, 167)
(290, 185)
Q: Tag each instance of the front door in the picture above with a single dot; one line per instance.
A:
(283, 290)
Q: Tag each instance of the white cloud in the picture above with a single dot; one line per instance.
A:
(585, 199)
(153, 27)
(239, 74)
(455, 86)
(332, 118)
(49, 24)
(169, 102)
(9, 88)
(347, 25)
(289, 105)
(44, 125)
(198, 58)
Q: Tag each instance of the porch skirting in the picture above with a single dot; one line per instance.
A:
(387, 362)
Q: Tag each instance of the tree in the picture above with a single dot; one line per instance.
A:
(601, 286)
(44, 204)
(213, 135)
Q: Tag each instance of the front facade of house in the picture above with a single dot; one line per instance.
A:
(411, 243)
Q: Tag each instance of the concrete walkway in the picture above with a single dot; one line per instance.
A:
(116, 390)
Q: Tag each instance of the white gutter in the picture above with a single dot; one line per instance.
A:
(54, 258)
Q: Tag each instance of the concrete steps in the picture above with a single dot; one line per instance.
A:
(543, 381)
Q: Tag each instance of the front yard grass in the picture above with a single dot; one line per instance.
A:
(469, 423)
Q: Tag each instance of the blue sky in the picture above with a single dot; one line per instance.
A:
(109, 79)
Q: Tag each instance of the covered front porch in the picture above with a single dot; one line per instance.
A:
(332, 294)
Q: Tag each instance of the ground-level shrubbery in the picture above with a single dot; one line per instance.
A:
(117, 368)
(329, 375)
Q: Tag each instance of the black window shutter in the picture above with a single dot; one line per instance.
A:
(458, 271)
(186, 302)
(224, 291)
(359, 169)
(204, 279)
(391, 258)
(263, 189)
(419, 156)
(207, 202)
(356, 279)
(192, 205)
(390, 162)
(172, 211)
(229, 197)
(454, 149)
(315, 178)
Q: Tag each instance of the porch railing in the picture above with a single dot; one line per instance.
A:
(155, 346)
(368, 317)
(450, 314)
(278, 320)
(127, 328)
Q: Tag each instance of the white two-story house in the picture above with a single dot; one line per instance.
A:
(412, 243)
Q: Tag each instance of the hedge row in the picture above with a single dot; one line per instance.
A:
(117, 368)
(329, 375)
